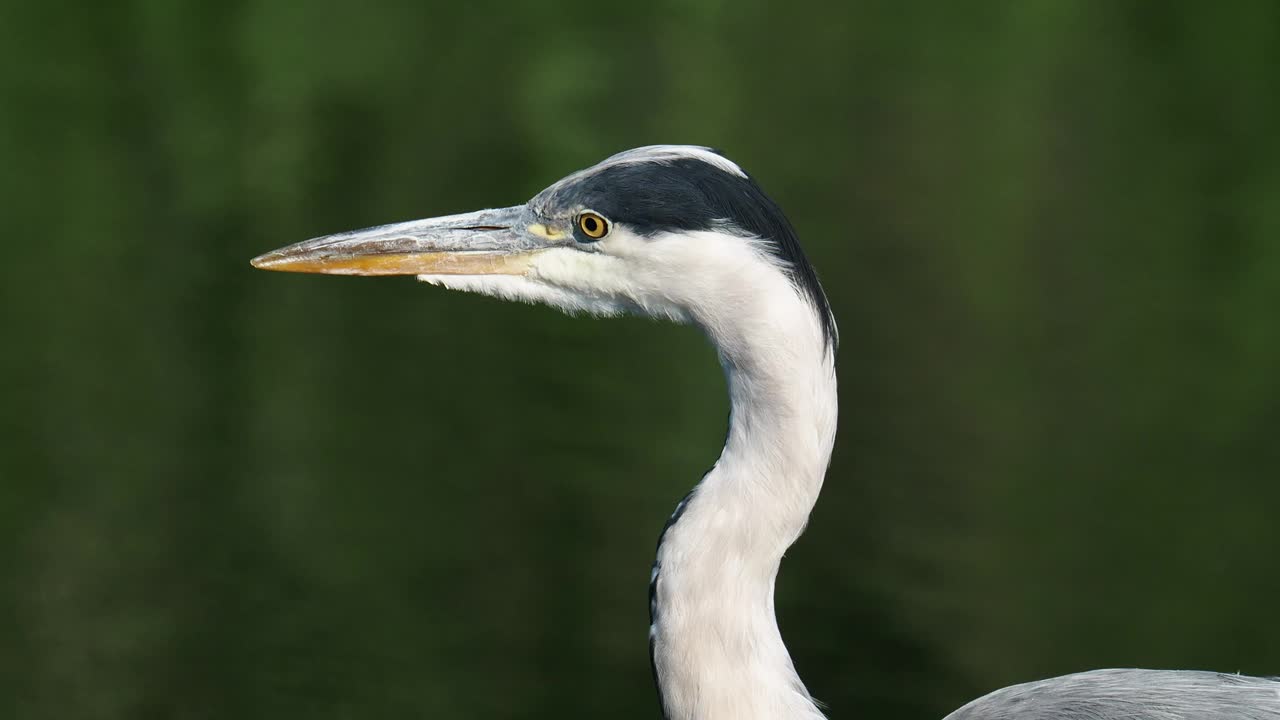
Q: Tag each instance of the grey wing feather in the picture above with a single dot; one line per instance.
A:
(1132, 695)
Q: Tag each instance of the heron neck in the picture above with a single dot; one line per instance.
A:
(717, 652)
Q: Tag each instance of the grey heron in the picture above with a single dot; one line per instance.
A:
(684, 233)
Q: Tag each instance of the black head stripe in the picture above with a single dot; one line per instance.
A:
(688, 194)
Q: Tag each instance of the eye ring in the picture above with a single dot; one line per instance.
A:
(592, 224)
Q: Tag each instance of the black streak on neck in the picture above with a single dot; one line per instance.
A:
(653, 594)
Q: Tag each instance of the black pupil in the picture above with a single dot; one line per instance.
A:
(589, 224)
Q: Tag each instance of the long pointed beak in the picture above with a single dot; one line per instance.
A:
(487, 242)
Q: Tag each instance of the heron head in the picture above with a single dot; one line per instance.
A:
(671, 231)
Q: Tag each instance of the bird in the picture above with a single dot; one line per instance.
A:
(683, 233)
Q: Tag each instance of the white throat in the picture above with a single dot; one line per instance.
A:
(717, 651)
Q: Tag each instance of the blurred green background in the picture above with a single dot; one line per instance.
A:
(1050, 231)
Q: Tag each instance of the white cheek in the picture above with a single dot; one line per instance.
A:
(589, 271)
(623, 243)
(699, 269)
(721, 278)
(522, 289)
(612, 277)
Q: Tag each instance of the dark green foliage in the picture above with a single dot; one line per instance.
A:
(1050, 231)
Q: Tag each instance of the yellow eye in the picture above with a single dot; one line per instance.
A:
(593, 225)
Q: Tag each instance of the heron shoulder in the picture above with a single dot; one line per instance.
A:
(1131, 694)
